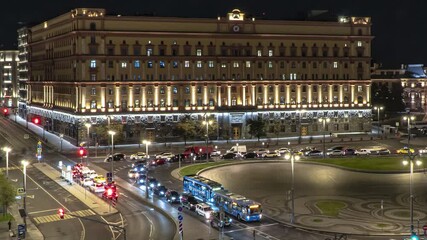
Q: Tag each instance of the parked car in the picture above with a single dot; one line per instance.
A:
(160, 191)
(220, 222)
(271, 154)
(335, 153)
(204, 210)
(87, 182)
(262, 151)
(229, 155)
(349, 152)
(215, 153)
(250, 155)
(139, 156)
(282, 150)
(335, 148)
(165, 155)
(362, 152)
(172, 196)
(405, 150)
(315, 153)
(115, 157)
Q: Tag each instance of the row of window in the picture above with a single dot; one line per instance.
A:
(211, 90)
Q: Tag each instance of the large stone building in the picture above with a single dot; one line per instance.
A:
(9, 86)
(142, 71)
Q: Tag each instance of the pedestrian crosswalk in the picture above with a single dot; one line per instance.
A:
(55, 217)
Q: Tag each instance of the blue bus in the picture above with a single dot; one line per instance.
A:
(201, 188)
(238, 206)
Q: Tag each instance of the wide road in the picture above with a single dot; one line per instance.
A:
(360, 193)
(141, 221)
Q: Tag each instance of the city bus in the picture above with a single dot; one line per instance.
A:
(238, 206)
(201, 188)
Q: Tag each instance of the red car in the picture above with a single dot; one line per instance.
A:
(158, 161)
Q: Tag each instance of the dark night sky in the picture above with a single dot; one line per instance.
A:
(399, 26)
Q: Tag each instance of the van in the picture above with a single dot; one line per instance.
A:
(204, 210)
(238, 149)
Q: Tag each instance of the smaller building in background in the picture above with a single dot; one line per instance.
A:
(9, 90)
(412, 77)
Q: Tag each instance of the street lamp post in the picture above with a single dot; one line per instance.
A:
(7, 150)
(112, 133)
(293, 157)
(88, 125)
(148, 164)
(324, 120)
(24, 164)
(409, 118)
(379, 125)
(61, 136)
(411, 195)
(207, 123)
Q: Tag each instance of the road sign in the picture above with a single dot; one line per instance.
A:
(109, 177)
(21, 230)
(180, 217)
(113, 202)
(20, 191)
(26, 136)
(180, 209)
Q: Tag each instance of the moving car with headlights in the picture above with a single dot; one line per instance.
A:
(139, 156)
(405, 150)
(335, 153)
(157, 161)
(219, 220)
(172, 196)
(282, 150)
(152, 183)
(165, 155)
(115, 157)
(423, 151)
(271, 155)
(138, 162)
(160, 191)
(314, 153)
(204, 210)
(362, 152)
(99, 179)
(133, 173)
(262, 151)
(189, 202)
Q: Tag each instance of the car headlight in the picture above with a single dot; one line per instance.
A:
(260, 216)
(161, 193)
(173, 198)
(208, 215)
(247, 217)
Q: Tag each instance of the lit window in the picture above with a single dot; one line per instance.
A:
(259, 53)
(93, 77)
(124, 64)
(270, 53)
(92, 63)
(359, 43)
(175, 90)
(93, 91)
(93, 104)
(335, 64)
(199, 52)
(248, 64)
(270, 64)
(211, 64)
(236, 64)
(223, 65)
(360, 88)
(175, 64)
(187, 64)
(149, 52)
(162, 64)
(199, 64)
(137, 64)
(150, 64)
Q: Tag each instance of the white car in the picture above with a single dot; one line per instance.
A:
(362, 152)
(335, 153)
(282, 150)
(215, 153)
(133, 173)
(423, 150)
(204, 210)
(139, 156)
(271, 155)
(85, 170)
(97, 188)
(261, 152)
(87, 182)
(165, 155)
(91, 174)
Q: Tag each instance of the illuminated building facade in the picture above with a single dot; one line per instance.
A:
(87, 66)
(9, 92)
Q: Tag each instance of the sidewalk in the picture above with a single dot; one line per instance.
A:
(32, 233)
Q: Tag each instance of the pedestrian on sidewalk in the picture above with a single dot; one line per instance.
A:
(9, 224)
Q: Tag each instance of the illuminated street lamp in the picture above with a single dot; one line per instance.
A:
(7, 151)
(379, 125)
(25, 164)
(324, 120)
(409, 118)
(293, 157)
(411, 163)
(207, 123)
(112, 133)
(148, 164)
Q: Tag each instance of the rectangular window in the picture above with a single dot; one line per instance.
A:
(136, 64)
(248, 64)
(211, 64)
(259, 53)
(93, 104)
(93, 91)
(270, 53)
(150, 64)
(149, 52)
(162, 64)
(270, 64)
(110, 64)
(223, 65)
(93, 77)
(199, 64)
(199, 52)
(335, 64)
(360, 88)
(92, 63)
(175, 64)
(124, 64)
(359, 43)
(236, 64)
(187, 64)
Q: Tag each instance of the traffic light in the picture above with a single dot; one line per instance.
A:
(82, 152)
(109, 192)
(5, 112)
(61, 213)
(36, 120)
